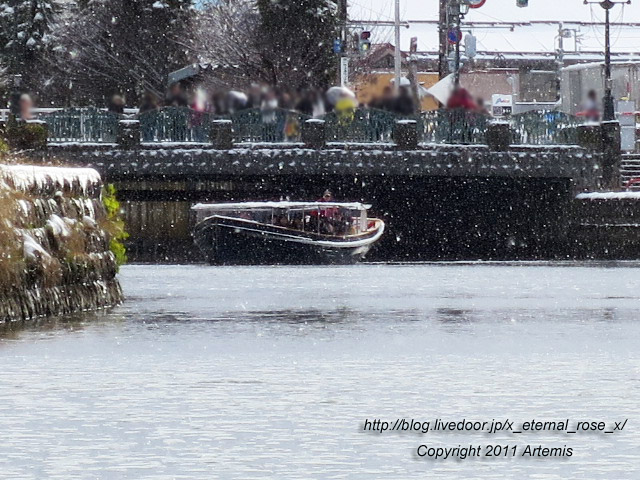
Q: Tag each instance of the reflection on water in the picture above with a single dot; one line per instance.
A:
(239, 373)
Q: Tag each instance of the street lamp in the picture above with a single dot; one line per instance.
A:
(609, 109)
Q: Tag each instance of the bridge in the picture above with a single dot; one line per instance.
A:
(451, 184)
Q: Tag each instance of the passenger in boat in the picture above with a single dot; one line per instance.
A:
(328, 212)
(327, 196)
(326, 226)
(282, 221)
(297, 224)
(323, 219)
(342, 224)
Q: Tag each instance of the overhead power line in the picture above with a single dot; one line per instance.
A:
(407, 23)
(529, 23)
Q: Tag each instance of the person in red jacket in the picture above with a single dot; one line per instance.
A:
(461, 98)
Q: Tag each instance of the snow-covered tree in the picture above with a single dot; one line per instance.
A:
(123, 46)
(25, 27)
(280, 42)
(3, 80)
(227, 34)
(298, 35)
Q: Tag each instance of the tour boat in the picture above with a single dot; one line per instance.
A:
(285, 232)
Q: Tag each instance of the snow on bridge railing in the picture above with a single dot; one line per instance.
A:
(545, 128)
(82, 125)
(174, 124)
(453, 126)
(361, 125)
(39, 113)
(268, 125)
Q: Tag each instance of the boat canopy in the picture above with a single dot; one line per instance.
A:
(222, 207)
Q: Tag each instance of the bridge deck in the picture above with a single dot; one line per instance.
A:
(180, 161)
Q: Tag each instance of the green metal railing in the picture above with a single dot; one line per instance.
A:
(273, 125)
(360, 125)
(545, 128)
(82, 125)
(174, 124)
(453, 127)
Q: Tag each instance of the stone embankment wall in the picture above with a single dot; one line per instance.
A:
(606, 225)
(54, 243)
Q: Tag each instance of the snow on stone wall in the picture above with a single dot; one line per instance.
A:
(54, 218)
(27, 178)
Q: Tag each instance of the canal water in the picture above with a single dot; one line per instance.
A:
(271, 372)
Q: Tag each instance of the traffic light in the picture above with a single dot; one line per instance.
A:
(522, 3)
(364, 45)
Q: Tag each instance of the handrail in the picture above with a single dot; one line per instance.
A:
(360, 125)
(456, 126)
(175, 124)
(545, 128)
(82, 125)
(365, 125)
(268, 125)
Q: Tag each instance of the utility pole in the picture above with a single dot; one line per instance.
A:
(457, 9)
(396, 58)
(559, 60)
(342, 21)
(609, 108)
(412, 74)
(443, 67)
(457, 57)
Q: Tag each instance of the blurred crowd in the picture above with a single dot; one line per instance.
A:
(313, 102)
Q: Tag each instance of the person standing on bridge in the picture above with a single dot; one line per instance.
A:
(26, 107)
(462, 99)
(591, 107)
(149, 102)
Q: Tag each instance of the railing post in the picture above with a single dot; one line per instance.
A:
(499, 136)
(42, 140)
(611, 148)
(313, 133)
(405, 134)
(221, 134)
(590, 136)
(29, 135)
(128, 134)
